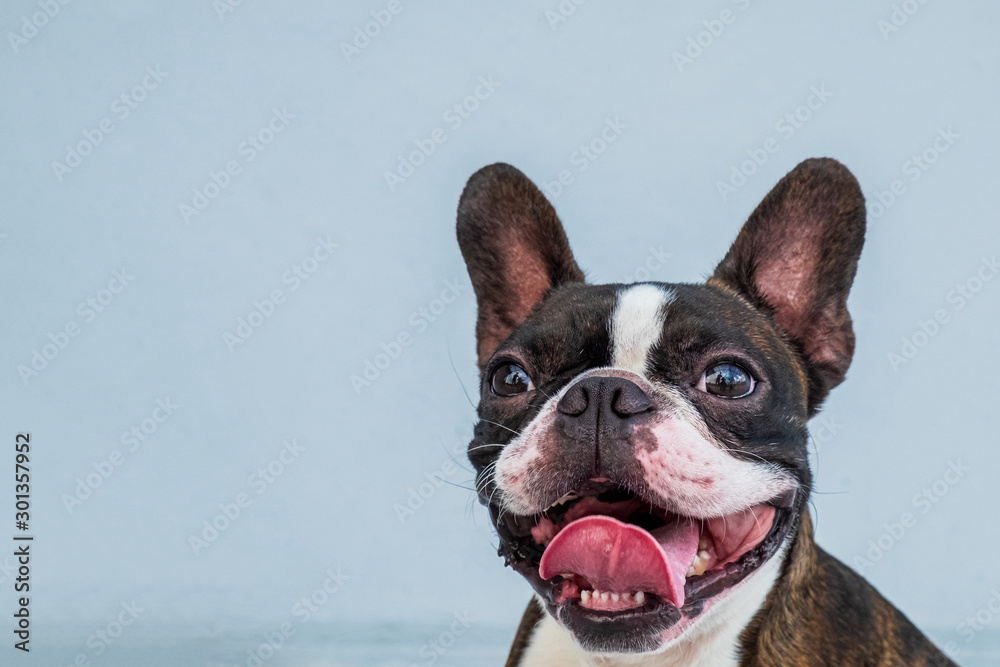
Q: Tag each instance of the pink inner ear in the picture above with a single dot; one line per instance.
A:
(831, 339)
(799, 251)
(526, 281)
(788, 282)
(790, 298)
(526, 278)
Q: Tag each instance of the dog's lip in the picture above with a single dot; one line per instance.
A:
(598, 485)
(785, 500)
(594, 486)
(701, 591)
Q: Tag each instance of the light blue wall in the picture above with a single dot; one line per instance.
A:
(889, 432)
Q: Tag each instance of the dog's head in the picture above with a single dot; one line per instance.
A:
(642, 449)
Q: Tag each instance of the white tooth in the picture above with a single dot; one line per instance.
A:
(605, 596)
(640, 597)
(616, 597)
(565, 499)
(585, 596)
(699, 564)
(627, 597)
(596, 594)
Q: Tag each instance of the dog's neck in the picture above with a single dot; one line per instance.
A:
(715, 640)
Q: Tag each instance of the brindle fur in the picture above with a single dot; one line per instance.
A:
(819, 614)
(781, 290)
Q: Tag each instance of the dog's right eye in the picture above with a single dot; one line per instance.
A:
(510, 380)
(727, 381)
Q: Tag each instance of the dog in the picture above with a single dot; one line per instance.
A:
(642, 448)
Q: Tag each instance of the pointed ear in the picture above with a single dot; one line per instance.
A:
(796, 257)
(515, 249)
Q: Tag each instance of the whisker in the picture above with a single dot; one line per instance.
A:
(472, 449)
(502, 426)
(452, 456)
(745, 453)
(456, 484)
(485, 478)
(756, 520)
(457, 376)
(543, 393)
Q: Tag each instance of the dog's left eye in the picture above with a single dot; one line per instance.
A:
(509, 380)
(727, 381)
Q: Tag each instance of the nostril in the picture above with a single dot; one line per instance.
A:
(574, 402)
(630, 400)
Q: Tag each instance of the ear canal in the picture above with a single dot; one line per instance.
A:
(515, 250)
(796, 257)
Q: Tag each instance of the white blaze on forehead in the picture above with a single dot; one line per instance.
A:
(636, 325)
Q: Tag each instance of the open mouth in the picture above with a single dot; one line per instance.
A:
(610, 564)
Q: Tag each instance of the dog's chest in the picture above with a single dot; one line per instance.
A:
(552, 646)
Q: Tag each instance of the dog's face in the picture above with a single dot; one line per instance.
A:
(642, 449)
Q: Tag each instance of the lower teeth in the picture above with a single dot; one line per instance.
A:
(587, 596)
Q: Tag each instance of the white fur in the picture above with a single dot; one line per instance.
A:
(712, 641)
(688, 453)
(690, 471)
(637, 324)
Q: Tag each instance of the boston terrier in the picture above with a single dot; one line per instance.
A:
(642, 448)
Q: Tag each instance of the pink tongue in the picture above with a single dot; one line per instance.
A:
(618, 557)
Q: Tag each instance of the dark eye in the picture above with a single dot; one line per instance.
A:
(727, 381)
(510, 380)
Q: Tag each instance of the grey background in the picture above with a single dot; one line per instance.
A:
(889, 433)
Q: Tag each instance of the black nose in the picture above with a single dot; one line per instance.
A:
(596, 420)
(601, 402)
